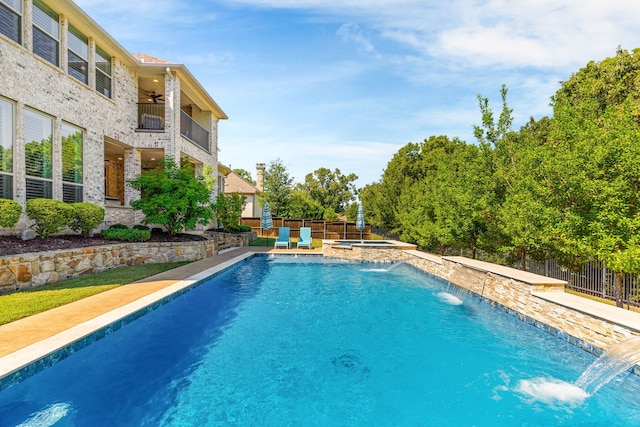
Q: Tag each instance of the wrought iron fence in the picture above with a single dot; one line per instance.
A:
(593, 279)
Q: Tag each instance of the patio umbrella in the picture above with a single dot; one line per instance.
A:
(266, 223)
(360, 224)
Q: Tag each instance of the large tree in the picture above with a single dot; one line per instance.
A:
(278, 186)
(597, 163)
(443, 209)
(331, 189)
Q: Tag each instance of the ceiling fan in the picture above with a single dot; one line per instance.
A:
(155, 96)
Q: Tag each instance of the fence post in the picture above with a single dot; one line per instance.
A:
(604, 280)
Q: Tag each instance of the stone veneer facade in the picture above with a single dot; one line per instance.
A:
(27, 271)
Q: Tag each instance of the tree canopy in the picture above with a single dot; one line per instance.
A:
(565, 186)
(331, 189)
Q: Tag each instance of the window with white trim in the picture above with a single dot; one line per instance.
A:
(72, 138)
(46, 33)
(38, 154)
(103, 72)
(6, 149)
(11, 19)
(78, 55)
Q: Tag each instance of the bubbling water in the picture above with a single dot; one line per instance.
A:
(448, 298)
(551, 391)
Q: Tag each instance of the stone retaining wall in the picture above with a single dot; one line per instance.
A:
(27, 271)
(237, 240)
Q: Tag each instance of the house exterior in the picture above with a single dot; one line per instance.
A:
(80, 115)
(234, 183)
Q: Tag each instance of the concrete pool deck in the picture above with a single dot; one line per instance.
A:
(26, 340)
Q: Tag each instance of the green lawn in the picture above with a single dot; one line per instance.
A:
(27, 303)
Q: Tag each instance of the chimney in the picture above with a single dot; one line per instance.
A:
(260, 176)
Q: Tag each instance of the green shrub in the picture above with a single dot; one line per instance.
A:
(87, 216)
(228, 209)
(50, 216)
(173, 197)
(10, 211)
(126, 235)
(140, 227)
(241, 228)
(118, 227)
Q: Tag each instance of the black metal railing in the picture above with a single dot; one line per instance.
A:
(151, 116)
(193, 131)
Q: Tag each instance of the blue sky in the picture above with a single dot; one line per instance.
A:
(345, 84)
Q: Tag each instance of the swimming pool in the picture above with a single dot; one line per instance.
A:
(280, 341)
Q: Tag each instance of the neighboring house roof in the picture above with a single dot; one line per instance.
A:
(234, 183)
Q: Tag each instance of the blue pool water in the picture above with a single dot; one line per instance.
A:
(276, 342)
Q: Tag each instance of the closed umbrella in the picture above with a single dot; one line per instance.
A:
(266, 223)
(360, 224)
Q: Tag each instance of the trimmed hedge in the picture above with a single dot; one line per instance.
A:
(10, 211)
(50, 216)
(87, 216)
(126, 235)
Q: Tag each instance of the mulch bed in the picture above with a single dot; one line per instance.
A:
(12, 245)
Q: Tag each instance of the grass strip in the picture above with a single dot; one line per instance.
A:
(27, 303)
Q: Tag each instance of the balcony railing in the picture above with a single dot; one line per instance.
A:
(192, 130)
(151, 116)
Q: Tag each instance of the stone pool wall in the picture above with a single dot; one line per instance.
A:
(26, 271)
(538, 300)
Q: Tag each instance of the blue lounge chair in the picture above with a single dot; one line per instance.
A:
(305, 237)
(283, 237)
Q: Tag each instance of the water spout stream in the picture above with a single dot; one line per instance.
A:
(610, 364)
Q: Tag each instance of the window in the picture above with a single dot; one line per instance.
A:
(11, 19)
(46, 33)
(71, 164)
(6, 149)
(38, 154)
(103, 72)
(78, 55)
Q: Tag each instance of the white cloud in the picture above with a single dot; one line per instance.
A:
(353, 33)
(523, 33)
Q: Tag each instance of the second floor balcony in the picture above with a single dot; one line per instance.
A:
(151, 118)
(193, 131)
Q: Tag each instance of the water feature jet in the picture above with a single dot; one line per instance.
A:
(617, 359)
